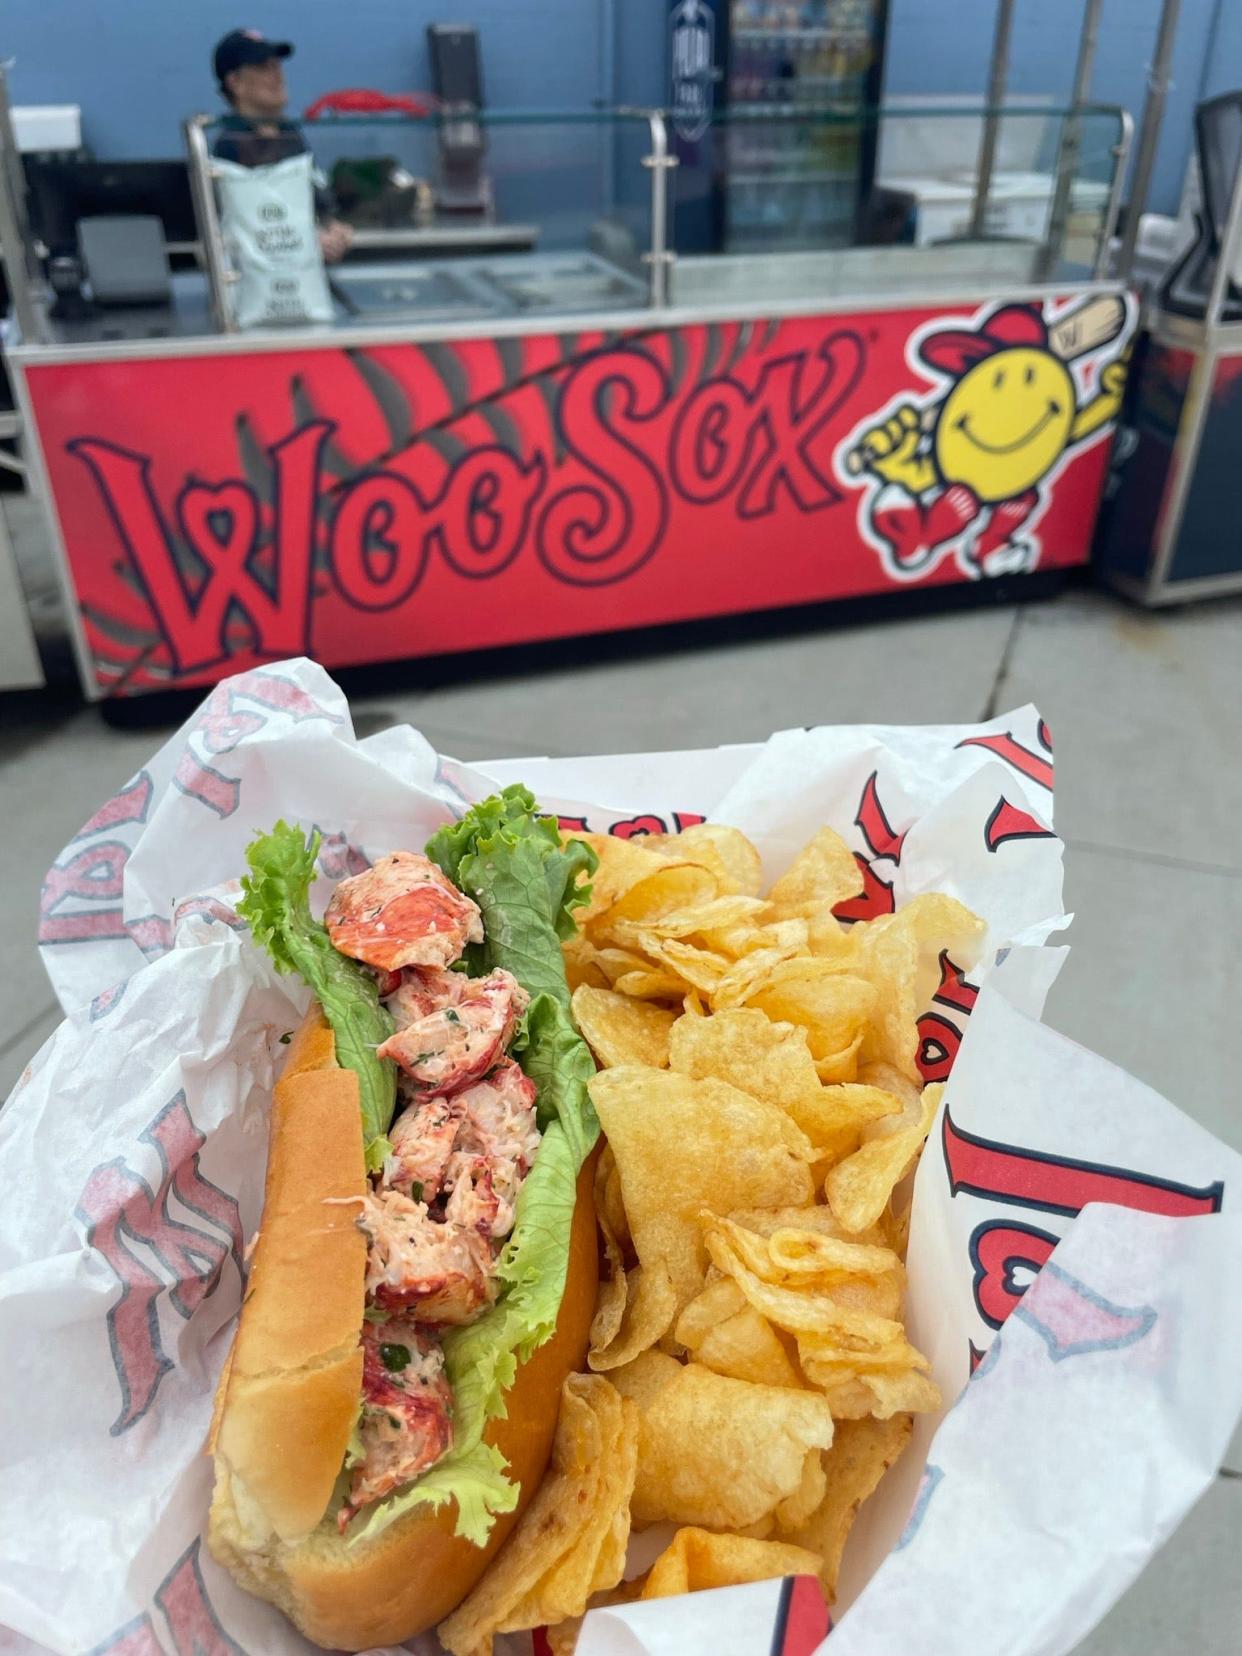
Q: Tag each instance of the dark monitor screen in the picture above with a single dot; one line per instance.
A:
(454, 52)
(61, 192)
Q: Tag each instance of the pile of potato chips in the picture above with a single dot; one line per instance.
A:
(763, 1113)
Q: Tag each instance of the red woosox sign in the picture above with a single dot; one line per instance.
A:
(374, 503)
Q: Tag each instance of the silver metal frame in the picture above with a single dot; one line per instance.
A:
(211, 240)
(1211, 340)
(40, 488)
(659, 163)
(15, 239)
(1149, 131)
(327, 337)
(998, 79)
(1121, 155)
(1071, 137)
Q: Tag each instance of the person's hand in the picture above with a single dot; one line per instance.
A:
(335, 239)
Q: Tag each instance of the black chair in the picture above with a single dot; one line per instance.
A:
(1218, 137)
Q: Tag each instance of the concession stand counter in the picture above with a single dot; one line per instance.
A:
(547, 424)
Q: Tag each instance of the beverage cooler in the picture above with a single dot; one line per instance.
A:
(741, 72)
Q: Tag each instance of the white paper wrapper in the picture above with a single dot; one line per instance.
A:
(133, 1155)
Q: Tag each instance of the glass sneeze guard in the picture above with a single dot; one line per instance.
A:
(830, 201)
(566, 219)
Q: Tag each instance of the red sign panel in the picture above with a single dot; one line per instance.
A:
(372, 503)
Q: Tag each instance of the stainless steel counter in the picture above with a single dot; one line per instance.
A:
(418, 292)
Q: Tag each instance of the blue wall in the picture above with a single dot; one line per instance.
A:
(138, 76)
(150, 66)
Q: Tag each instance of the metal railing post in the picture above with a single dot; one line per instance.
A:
(1230, 247)
(1121, 156)
(998, 79)
(659, 163)
(1149, 133)
(19, 260)
(210, 238)
(1069, 149)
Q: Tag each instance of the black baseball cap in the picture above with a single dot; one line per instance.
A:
(241, 46)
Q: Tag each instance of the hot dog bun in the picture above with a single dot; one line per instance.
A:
(289, 1392)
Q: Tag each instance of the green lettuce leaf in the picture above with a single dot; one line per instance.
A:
(276, 907)
(527, 885)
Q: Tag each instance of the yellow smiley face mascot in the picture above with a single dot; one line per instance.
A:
(974, 459)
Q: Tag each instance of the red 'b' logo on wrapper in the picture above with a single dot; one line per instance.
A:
(168, 1244)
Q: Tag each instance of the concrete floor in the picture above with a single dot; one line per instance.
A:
(1144, 710)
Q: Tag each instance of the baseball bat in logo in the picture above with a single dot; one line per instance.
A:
(153, 1254)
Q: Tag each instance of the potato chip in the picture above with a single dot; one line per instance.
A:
(796, 1252)
(827, 938)
(896, 1228)
(888, 958)
(720, 848)
(611, 1295)
(649, 1304)
(714, 1451)
(719, 1300)
(571, 1540)
(782, 935)
(696, 1560)
(650, 983)
(880, 1292)
(811, 1309)
(861, 1453)
(836, 1118)
(853, 1277)
(697, 968)
(582, 963)
(859, 1187)
(760, 1530)
(615, 963)
(770, 1061)
(825, 873)
(878, 1074)
(608, 1204)
(735, 912)
(853, 1393)
(665, 890)
(840, 1066)
(682, 1145)
(749, 973)
(767, 1221)
(833, 1007)
(622, 864)
(808, 1496)
(843, 1350)
(620, 1030)
(746, 1347)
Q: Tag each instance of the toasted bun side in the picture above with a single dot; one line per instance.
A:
(343, 1595)
(289, 1395)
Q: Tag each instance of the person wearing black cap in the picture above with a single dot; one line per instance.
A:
(256, 132)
